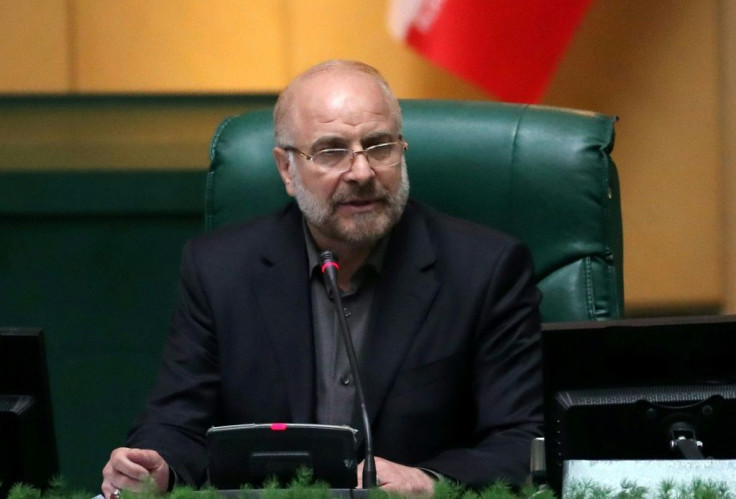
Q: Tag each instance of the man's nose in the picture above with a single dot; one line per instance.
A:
(360, 170)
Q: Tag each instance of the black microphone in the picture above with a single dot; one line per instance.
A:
(329, 269)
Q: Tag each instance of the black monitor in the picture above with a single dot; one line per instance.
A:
(27, 439)
(639, 389)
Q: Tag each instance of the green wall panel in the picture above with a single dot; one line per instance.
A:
(92, 258)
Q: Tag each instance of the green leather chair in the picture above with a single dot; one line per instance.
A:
(543, 175)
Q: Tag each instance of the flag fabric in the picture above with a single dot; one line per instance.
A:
(509, 48)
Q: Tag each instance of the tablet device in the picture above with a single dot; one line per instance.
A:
(254, 453)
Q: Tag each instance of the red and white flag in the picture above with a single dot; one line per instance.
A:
(510, 48)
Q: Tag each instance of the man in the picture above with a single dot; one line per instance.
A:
(443, 312)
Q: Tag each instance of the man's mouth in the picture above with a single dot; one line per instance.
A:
(361, 202)
(359, 205)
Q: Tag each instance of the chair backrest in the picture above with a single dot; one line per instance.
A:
(543, 175)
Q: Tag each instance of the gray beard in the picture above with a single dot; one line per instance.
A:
(362, 228)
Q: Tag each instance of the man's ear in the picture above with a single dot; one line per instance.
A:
(282, 164)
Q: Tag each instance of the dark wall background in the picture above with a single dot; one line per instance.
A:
(92, 258)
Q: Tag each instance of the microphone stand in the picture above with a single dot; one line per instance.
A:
(329, 269)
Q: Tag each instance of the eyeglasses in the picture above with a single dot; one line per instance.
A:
(384, 155)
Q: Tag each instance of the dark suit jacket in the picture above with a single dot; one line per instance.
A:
(451, 367)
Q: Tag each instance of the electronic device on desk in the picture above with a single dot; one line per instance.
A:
(27, 439)
(639, 389)
(254, 453)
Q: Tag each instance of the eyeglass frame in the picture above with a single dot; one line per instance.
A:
(401, 141)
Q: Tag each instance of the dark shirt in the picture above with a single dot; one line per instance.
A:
(335, 383)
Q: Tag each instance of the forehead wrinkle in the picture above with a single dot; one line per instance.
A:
(351, 118)
(339, 141)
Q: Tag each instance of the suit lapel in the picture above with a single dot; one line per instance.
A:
(406, 291)
(282, 292)
(404, 295)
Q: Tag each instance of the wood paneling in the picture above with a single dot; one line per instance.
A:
(114, 132)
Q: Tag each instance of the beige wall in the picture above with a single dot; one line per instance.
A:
(34, 46)
(175, 46)
(727, 16)
(199, 46)
(657, 65)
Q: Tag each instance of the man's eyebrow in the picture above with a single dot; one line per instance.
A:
(329, 142)
(376, 138)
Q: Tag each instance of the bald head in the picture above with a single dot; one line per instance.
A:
(301, 89)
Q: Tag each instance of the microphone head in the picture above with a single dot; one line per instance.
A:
(329, 263)
(328, 256)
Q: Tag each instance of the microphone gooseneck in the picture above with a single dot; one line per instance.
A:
(329, 269)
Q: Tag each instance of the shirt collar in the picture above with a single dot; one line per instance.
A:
(374, 260)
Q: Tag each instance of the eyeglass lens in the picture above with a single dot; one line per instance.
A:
(381, 155)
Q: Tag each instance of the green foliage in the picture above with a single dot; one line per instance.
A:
(23, 491)
(58, 489)
(184, 492)
(705, 489)
(697, 489)
(303, 486)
